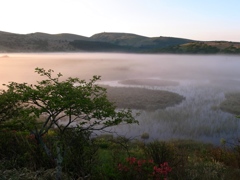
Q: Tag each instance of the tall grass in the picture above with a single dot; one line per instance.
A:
(198, 117)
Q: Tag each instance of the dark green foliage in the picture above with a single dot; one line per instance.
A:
(160, 152)
(41, 45)
(80, 156)
(99, 46)
(20, 149)
(200, 48)
(191, 48)
(231, 50)
(52, 100)
(8, 110)
(84, 158)
(140, 43)
(162, 43)
(43, 107)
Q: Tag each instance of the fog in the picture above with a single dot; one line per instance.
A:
(203, 81)
(111, 66)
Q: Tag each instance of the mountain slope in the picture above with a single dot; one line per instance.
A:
(98, 46)
(62, 37)
(111, 42)
(124, 39)
(137, 41)
(209, 47)
(37, 42)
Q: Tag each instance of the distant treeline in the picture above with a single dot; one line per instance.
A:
(199, 48)
(99, 46)
(111, 42)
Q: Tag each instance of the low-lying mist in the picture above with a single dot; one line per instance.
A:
(202, 79)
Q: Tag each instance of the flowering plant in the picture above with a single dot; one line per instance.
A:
(144, 169)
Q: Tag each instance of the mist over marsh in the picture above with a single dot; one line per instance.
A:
(202, 80)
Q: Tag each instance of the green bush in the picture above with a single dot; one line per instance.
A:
(20, 149)
(197, 169)
(159, 151)
(80, 154)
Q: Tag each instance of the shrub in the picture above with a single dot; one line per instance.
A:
(138, 169)
(159, 151)
(80, 156)
(20, 149)
(198, 169)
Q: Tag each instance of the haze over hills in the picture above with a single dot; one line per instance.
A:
(110, 42)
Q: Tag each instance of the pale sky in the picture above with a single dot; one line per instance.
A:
(192, 19)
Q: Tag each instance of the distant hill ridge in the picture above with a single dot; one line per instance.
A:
(110, 42)
(63, 36)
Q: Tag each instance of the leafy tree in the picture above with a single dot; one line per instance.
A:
(51, 103)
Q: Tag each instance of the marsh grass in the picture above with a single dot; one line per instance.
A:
(232, 103)
(142, 98)
(197, 117)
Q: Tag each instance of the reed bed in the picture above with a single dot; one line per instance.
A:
(197, 117)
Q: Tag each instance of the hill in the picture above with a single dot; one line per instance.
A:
(110, 42)
(37, 42)
(137, 41)
(63, 36)
(209, 47)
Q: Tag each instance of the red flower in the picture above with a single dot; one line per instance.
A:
(150, 161)
(164, 169)
(131, 160)
(141, 162)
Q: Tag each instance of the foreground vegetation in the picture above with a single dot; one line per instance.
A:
(55, 104)
(106, 157)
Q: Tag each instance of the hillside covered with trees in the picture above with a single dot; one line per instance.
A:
(111, 42)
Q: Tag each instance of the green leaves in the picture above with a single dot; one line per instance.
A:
(54, 102)
(51, 103)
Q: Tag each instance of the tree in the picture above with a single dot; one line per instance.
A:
(51, 103)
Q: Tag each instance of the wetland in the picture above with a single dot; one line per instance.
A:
(178, 96)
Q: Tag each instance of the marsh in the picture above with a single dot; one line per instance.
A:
(200, 80)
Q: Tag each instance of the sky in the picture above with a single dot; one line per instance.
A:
(191, 19)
